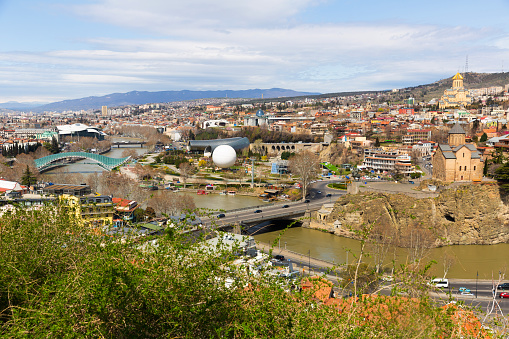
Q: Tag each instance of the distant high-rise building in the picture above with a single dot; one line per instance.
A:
(105, 111)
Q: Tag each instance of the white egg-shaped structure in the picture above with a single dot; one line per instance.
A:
(224, 156)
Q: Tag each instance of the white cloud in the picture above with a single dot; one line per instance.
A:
(165, 16)
(233, 44)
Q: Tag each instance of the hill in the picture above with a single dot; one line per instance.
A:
(141, 98)
(471, 80)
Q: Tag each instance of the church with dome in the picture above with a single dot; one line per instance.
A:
(457, 160)
(457, 96)
(258, 119)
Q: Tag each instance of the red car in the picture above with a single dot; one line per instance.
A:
(503, 295)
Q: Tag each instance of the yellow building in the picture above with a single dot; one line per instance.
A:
(92, 209)
(457, 161)
(457, 96)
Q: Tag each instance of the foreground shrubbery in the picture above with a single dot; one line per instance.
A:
(59, 280)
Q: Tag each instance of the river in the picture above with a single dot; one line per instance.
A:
(467, 260)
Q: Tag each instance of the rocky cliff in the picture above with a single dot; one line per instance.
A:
(468, 214)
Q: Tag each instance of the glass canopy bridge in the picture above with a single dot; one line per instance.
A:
(59, 159)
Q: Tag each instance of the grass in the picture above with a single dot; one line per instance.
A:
(337, 186)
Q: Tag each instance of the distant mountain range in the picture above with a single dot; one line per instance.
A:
(141, 98)
(14, 105)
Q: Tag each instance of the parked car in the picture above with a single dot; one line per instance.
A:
(286, 206)
(258, 211)
(504, 286)
(503, 295)
(221, 215)
(279, 257)
(307, 201)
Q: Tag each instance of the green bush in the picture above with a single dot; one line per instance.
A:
(59, 279)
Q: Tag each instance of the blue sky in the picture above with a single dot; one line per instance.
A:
(56, 50)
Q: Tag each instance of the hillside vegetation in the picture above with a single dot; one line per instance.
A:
(59, 280)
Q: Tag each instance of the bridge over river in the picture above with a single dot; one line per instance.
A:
(250, 217)
(60, 159)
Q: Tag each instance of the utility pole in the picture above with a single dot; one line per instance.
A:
(252, 172)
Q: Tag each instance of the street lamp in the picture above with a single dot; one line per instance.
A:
(476, 280)
(309, 264)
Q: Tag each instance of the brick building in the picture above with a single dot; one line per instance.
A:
(457, 161)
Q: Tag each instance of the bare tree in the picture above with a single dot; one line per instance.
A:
(129, 152)
(93, 180)
(306, 166)
(439, 135)
(168, 203)
(449, 260)
(186, 170)
(381, 240)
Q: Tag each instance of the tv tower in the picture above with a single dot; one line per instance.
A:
(466, 65)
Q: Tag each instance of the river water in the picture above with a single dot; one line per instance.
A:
(467, 260)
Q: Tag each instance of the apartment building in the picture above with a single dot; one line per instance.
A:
(378, 160)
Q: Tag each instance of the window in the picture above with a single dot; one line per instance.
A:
(460, 168)
(474, 168)
(463, 155)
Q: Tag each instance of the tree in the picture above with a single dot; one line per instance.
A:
(169, 203)
(129, 153)
(186, 170)
(502, 175)
(475, 126)
(377, 142)
(305, 165)
(484, 137)
(52, 146)
(28, 178)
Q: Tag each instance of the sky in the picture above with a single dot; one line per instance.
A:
(52, 50)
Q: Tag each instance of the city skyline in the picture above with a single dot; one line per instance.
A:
(56, 50)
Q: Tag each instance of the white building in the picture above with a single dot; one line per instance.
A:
(380, 161)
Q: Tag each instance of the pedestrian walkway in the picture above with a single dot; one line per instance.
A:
(300, 259)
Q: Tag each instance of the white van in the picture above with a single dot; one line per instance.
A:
(440, 283)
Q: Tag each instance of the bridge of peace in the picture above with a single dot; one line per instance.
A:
(60, 159)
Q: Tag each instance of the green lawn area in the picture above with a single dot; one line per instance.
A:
(332, 168)
(338, 186)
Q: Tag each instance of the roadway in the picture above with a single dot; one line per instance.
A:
(319, 194)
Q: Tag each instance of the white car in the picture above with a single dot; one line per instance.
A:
(440, 283)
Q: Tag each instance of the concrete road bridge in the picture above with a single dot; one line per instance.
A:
(60, 159)
(253, 216)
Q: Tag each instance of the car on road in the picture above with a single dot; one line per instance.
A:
(503, 295)
(440, 283)
(463, 290)
(258, 211)
(319, 192)
(467, 293)
(307, 201)
(328, 195)
(279, 257)
(286, 206)
(504, 286)
(221, 215)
